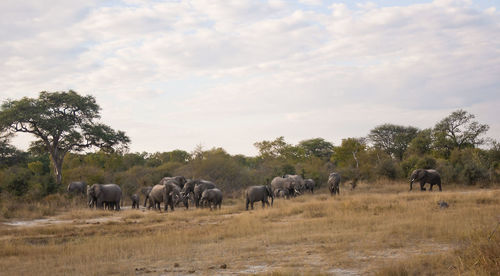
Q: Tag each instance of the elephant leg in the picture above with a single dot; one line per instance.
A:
(251, 204)
(411, 185)
(431, 187)
(439, 185)
(263, 204)
(422, 188)
(248, 202)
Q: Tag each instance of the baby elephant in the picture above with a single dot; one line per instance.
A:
(135, 201)
(211, 196)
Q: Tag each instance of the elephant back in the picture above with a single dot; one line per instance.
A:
(278, 183)
(334, 178)
(111, 192)
(202, 186)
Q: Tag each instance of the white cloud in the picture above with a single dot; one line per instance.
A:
(174, 74)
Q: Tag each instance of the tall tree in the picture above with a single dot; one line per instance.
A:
(317, 147)
(459, 130)
(393, 139)
(278, 149)
(62, 122)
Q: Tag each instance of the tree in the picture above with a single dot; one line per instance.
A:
(278, 149)
(62, 122)
(9, 155)
(393, 139)
(458, 130)
(422, 143)
(317, 147)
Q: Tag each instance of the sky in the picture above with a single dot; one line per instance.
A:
(220, 73)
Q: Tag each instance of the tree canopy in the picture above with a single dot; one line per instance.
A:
(393, 139)
(459, 130)
(62, 122)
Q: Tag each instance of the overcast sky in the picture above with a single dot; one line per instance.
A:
(220, 73)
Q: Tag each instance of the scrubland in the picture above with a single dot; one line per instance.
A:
(378, 229)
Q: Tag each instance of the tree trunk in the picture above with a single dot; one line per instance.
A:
(58, 172)
(57, 161)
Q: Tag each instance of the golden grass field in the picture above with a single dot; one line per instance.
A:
(378, 229)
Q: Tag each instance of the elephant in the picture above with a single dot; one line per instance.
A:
(178, 180)
(135, 201)
(333, 183)
(77, 187)
(281, 193)
(176, 196)
(298, 181)
(200, 186)
(211, 196)
(167, 193)
(285, 183)
(259, 193)
(145, 191)
(425, 176)
(100, 193)
(309, 185)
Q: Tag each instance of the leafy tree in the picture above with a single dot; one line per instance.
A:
(9, 155)
(279, 149)
(317, 147)
(458, 130)
(62, 122)
(393, 139)
(422, 143)
(348, 152)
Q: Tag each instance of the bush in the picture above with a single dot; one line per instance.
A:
(388, 168)
(16, 180)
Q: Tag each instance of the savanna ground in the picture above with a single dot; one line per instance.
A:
(378, 229)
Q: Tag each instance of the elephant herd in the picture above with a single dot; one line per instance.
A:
(172, 191)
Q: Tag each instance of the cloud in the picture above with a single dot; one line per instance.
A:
(220, 73)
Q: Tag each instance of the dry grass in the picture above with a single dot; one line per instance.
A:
(377, 229)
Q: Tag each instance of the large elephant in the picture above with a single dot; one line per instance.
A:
(309, 184)
(299, 183)
(168, 194)
(334, 183)
(200, 186)
(178, 181)
(77, 187)
(156, 196)
(425, 176)
(211, 196)
(105, 193)
(285, 183)
(259, 193)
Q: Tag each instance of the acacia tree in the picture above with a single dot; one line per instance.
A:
(458, 130)
(393, 139)
(62, 122)
(317, 147)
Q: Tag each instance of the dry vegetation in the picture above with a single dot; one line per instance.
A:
(377, 229)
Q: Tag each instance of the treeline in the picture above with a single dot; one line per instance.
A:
(454, 146)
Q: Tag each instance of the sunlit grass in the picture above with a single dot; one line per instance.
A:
(367, 230)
